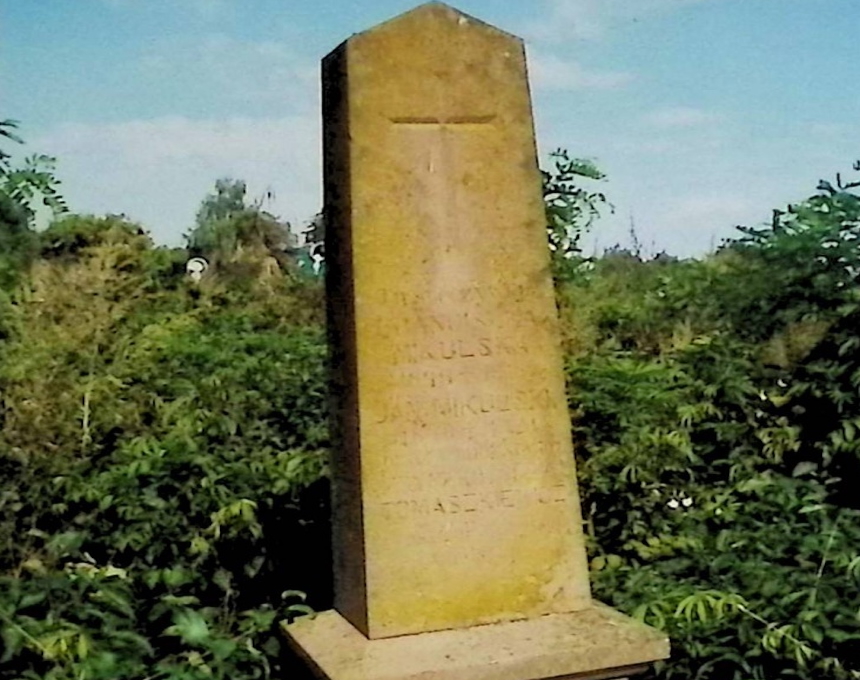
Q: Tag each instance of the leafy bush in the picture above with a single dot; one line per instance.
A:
(157, 440)
(716, 418)
(163, 446)
(572, 205)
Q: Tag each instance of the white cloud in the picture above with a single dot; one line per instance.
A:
(681, 117)
(263, 73)
(590, 19)
(157, 171)
(553, 73)
(687, 221)
(207, 9)
(833, 130)
(686, 225)
(723, 208)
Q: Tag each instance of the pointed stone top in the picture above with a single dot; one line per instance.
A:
(438, 11)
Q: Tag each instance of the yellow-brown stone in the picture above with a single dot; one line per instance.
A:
(591, 644)
(458, 548)
(457, 497)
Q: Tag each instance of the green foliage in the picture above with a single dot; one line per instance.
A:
(156, 441)
(696, 527)
(716, 425)
(571, 208)
(803, 265)
(18, 242)
(70, 235)
(163, 443)
(6, 131)
(226, 227)
(227, 201)
(20, 188)
(33, 180)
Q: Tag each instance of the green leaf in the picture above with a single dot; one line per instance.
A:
(30, 599)
(189, 625)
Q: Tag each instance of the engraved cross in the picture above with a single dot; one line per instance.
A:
(436, 157)
(443, 123)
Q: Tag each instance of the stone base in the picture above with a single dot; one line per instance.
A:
(595, 643)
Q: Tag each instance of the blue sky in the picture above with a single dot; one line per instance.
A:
(703, 113)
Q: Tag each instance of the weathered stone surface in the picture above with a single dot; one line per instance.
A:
(455, 495)
(594, 643)
(458, 540)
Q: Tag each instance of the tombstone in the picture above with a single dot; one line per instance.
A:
(458, 546)
(195, 268)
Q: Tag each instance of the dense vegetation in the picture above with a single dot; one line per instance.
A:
(163, 444)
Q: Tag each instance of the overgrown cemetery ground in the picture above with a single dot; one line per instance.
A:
(164, 450)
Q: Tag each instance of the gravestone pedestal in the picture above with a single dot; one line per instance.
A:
(458, 546)
(593, 644)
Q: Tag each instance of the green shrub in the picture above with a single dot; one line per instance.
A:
(163, 450)
(716, 422)
(157, 442)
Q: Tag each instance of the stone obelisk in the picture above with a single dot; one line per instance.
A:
(458, 548)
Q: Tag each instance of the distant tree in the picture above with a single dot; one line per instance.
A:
(69, 236)
(227, 201)
(32, 181)
(228, 227)
(6, 131)
(21, 187)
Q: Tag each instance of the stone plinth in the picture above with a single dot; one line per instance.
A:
(594, 643)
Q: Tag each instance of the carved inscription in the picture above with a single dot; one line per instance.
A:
(445, 349)
(418, 411)
(478, 501)
(475, 296)
(428, 378)
(469, 323)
